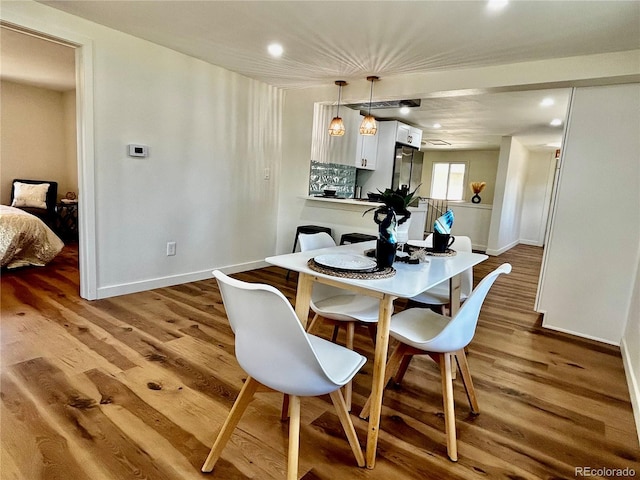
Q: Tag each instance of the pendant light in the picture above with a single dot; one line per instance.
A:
(336, 127)
(368, 125)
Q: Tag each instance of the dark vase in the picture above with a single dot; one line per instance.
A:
(385, 253)
(476, 198)
(387, 240)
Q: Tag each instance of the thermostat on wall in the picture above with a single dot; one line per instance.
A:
(138, 150)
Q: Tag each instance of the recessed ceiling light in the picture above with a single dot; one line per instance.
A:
(275, 50)
(497, 4)
(555, 122)
(405, 110)
(437, 125)
(547, 102)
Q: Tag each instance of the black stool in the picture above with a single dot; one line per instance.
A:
(356, 238)
(308, 229)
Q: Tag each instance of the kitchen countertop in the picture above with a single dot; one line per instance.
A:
(355, 201)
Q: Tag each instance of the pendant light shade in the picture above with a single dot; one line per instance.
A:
(336, 127)
(368, 125)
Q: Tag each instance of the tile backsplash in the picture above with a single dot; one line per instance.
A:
(341, 178)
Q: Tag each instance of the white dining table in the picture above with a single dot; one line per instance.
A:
(409, 280)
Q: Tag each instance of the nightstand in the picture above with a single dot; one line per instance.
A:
(67, 220)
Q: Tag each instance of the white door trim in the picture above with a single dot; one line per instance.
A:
(85, 138)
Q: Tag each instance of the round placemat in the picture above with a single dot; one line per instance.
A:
(377, 274)
(428, 251)
(447, 253)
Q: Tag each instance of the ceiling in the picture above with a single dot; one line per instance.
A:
(480, 121)
(37, 62)
(328, 40)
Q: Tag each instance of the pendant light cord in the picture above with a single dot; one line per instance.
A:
(370, 96)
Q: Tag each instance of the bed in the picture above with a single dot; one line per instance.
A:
(25, 239)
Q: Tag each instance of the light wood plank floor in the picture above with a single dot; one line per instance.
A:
(137, 386)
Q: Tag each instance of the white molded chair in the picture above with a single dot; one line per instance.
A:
(423, 331)
(275, 351)
(439, 295)
(338, 305)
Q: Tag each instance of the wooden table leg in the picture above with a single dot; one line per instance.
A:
(377, 387)
(303, 297)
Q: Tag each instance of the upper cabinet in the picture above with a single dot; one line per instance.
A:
(408, 135)
(366, 151)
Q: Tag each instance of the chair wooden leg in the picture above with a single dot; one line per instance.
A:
(449, 408)
(461, 359)
(404, 365)
(313, 323)
(294, 437)
(239, 406)
(347, 425)
(348, 388)
(392, 366)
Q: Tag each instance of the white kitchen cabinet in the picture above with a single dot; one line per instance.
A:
(367, 151)
(408, 135)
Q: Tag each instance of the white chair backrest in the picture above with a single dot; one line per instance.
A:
(314, 241)
(461, 244)
(271, 345)
(461, 329)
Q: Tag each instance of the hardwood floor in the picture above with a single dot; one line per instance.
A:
(137, 386)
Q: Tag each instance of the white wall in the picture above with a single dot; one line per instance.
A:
(211, 133)
(34, 141)
(504, 232)
(70, 143)
(540, 168)
(482, 166)
(589, 266)
(473, 221)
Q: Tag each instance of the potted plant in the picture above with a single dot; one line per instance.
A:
(393, 212)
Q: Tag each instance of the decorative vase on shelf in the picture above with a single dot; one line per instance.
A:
(476, 188)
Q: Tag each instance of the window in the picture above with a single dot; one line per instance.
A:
(447, 181)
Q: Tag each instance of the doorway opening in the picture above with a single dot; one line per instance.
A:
(50, 72)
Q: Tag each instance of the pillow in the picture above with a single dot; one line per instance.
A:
(30, 195)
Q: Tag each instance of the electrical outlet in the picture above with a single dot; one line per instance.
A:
(171, 249)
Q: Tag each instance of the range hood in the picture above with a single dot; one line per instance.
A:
(384, 104)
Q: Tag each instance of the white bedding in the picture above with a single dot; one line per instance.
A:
(25, 239)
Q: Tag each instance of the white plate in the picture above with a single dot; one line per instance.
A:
(345, 261)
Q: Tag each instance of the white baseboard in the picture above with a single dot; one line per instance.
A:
(632, 382)
(144, 285)
(581, 335)
(534, 243)
(495, 253)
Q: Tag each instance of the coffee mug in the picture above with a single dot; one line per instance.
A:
(442, 241)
